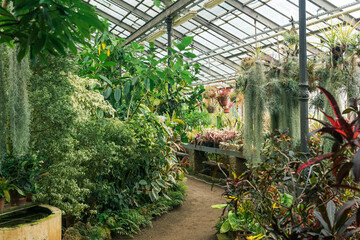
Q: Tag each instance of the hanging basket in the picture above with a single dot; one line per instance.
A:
(211, 109)
(223, 101)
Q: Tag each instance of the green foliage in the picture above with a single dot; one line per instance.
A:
(59, 106)
(46, 26)
(132, 75)
(254, 104)
(95, 163)
(129, 221)
(82, 231)
(195, 119)
(23, 171)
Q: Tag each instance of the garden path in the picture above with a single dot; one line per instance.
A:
(194, 220)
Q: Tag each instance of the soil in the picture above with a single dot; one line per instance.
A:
(194, 220)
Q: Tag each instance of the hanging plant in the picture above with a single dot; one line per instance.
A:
(254, 104)
(223, 96)
(228, 107)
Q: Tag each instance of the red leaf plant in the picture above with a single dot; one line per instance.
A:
(345, 134)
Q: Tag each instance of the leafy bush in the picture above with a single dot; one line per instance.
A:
(129, 221)
(195, 119)
(95, 163)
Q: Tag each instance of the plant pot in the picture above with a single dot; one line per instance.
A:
(2, 204)
(21, 201)
(211, 109)
(226, 110)
(223, 101)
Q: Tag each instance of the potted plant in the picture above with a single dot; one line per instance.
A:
(5, 187)
(228, 107)
(209, 93)
(223, 96)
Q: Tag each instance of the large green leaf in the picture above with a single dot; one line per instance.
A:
(225, 227)
(105, 79)
(107, 92)
(127, 88)
(117, 94)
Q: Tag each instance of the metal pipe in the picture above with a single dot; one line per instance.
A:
(168, 21)
(303, 85)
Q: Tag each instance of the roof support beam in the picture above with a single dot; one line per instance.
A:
(178, 34)
(171, 10)
(251, 13)
(327, 6)
(259, 17)
(157, 43)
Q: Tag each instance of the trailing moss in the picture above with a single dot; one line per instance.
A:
(15, 116)
(254, 104)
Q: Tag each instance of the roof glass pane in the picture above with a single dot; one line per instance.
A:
(217, 10)
(275, 16)
(285, 7)
(206, 14)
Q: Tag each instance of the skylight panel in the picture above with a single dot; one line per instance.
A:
(148, 3)
(341, 3)
(214, 39)
(188, 25)
(181, 29)
(274, 15)
(286, 8)
(152, 13)
(227, 6)
(207, 15)
(244, 26)
(205, 42)
(217, 10)
(233, 30)
(142, 7)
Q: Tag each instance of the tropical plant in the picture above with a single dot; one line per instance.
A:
(345, 135)
(131, 78)
(6, 186)
(46, 27)
(336, 224)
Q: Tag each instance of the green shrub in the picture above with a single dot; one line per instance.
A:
(195, 119)
(94, 163)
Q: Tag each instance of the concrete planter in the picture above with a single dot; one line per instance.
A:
(48, 228)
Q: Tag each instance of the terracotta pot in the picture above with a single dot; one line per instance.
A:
(21, 201)
(223, 101)
(211, 109)
(226, 110)
(2, 204)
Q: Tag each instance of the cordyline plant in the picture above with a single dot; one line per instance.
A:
(345, 156)
(345, 135)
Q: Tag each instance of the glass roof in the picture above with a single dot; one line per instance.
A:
(227, 32)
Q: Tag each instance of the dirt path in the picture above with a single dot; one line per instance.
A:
(194, 220)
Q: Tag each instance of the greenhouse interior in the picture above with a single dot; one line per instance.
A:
(179, 119)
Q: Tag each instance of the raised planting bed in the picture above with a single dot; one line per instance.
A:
(233, 152)
(35, 222)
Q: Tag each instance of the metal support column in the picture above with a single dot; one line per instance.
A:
(303, 85)
(168, 21)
